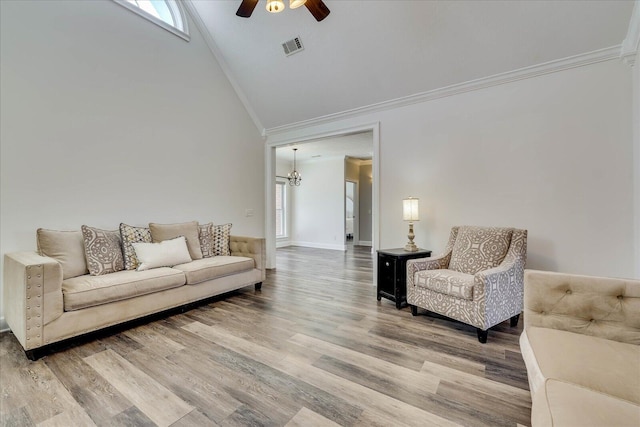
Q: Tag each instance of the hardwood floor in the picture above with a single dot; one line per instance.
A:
(313, 348)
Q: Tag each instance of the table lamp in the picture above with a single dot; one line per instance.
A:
(410, 213)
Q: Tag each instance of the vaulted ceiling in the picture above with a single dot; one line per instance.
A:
(367, 52)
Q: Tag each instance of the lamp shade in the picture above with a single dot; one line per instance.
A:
(410, 209)
(293, 4)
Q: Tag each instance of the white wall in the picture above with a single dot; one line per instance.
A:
(366, 202)
(318, 205)
(552, 154)
(107, 118)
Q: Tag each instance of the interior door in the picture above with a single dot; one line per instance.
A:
(351, 212)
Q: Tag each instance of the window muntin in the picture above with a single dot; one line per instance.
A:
(167, 14)
(281, 209)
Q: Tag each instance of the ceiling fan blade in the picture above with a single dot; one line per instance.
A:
(318, 9)
(246, 8)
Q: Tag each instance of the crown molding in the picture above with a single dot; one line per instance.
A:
(581, 60)
(213, 47)
(629, 49)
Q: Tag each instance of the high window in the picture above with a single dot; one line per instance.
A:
(167, 14)
(281, 208)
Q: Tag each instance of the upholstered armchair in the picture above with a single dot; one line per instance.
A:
(478, 280)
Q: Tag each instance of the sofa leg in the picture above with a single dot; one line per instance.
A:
(258, 286)
(414, 310)
(514, 320)
(482, 335)
(33, 355)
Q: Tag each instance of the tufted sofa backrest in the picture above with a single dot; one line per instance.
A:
(604, 307)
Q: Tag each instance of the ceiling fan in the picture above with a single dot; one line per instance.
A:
(317, 8)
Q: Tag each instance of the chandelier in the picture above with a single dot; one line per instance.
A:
(294, 177)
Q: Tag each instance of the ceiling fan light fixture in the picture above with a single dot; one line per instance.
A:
(293, 4)
(275, 6)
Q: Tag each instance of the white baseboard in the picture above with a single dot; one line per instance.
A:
(3, 325)
(320, 245)
(282, 243)
(365, 243)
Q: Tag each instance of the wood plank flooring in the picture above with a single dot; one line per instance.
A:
(313, 348)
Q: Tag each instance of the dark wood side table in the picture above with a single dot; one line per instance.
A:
(392, 273)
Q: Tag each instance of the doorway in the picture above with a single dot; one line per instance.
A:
(351, 226)
(304, 137)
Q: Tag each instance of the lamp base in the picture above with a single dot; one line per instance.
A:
(411, 247)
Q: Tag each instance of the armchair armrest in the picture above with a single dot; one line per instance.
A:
(32, 291)
(432, 263)
(251, 247)
(500, 290)
(599, 306)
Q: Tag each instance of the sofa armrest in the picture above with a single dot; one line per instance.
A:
(32, 286)
(599, 306)
(251, 247)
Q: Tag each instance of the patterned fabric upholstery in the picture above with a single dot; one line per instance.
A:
(129, 235)
(103, 250)
(221, 238)
(449, 282)
(497, 293)
(479, 248)
(205, 232)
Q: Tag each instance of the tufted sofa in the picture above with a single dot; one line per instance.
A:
(43, 305)
(581, 347)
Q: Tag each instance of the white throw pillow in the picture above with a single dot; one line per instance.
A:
(164, 254)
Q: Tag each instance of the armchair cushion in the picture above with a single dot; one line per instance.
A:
(448, 282)
(479, 248)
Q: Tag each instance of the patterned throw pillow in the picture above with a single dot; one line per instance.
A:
(221, 237)
(206, 240)
(131, 235)
(479, 248)
(103, 251)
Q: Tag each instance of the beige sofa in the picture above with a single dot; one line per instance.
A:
(42, 308)
(581, 346)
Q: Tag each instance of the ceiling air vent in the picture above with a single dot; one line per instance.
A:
(292, 46)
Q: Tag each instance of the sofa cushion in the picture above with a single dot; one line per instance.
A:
(66, 247)
(449, 282)
(221, 238)
(205, 233)
(103, 250)
(602, 365)
(558, 403)
(129, 235)
(88, 291)
(189, 230)
(164, 254)
(210, 268)
(479, 248)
